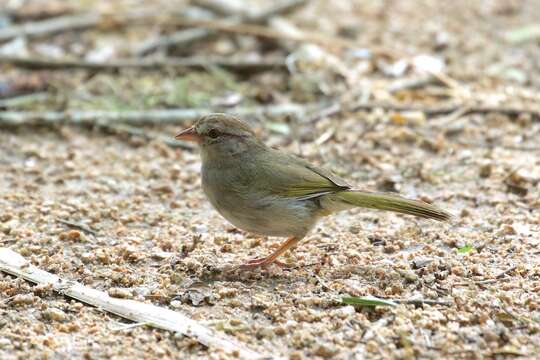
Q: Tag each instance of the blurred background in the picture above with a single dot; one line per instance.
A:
(255, 52)
(437, 100)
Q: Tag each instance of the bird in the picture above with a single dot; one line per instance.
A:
(265, 191)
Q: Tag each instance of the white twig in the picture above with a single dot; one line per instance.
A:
(13, 263)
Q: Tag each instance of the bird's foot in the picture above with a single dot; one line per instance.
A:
(271, 259)
(258, 262)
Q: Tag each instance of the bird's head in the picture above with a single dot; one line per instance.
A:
(220, 134)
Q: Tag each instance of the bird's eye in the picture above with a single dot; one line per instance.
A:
(213, 133)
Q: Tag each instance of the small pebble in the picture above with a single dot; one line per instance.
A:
(54, 314)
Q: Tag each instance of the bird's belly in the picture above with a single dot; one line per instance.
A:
(268, 216)
(276, 219)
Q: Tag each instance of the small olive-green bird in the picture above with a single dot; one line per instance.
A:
(268, 192)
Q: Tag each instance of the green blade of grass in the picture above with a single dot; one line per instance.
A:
(366, 301)
(465, 249)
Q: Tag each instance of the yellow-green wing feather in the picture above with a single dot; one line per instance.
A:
(289, 176)
(292, 176)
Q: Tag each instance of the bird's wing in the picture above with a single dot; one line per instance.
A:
(291, 176)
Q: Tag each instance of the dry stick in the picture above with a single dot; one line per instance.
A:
(265, 32)
(444, 110)
(183, 38)
(180, 116)
(330, 42)
(422, 302)
(139, 117)
(76, 22)
(155, 316)
(341, 104)
(492, 146)
(412, 83)
(24, 99)
(239, 65)
(505, 272)
(337, 108)
(51, 26)
(189, 36)
(452, 117)
(143, 133)
(78, 226)
(481, 282)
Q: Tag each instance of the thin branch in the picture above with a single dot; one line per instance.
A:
(444, 110)
(422, 302)
(78, 226)
(179, 38)
(24, 99)
(338, 108)
(332, 42)
(480, 282)
(333, 109)
(140, 117)
(51, 26)
(498, 145)
(189, 36)
(78, 22)
(452, 117)
(412, 83)
(155, 316)
(505, 272)
(238, 65)
(122, 129)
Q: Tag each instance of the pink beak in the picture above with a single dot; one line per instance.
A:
(188, 134)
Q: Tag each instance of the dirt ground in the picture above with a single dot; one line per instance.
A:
(155, 238)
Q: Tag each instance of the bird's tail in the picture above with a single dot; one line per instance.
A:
(391, 202)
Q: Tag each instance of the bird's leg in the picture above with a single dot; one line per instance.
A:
(271, 259)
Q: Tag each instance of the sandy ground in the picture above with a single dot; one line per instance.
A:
(156, 238)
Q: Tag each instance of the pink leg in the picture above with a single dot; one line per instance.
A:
(271, 259)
